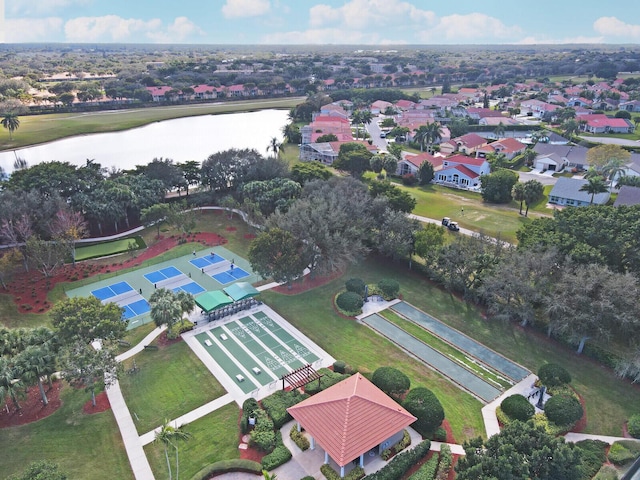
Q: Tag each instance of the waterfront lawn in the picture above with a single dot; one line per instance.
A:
(170, 382)
(84, 446)
(214, 438)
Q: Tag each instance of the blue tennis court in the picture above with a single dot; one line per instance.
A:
(111, 291)
(207, 260)
(230, 275)
(163, 274)
(193, 288)
(136, 308)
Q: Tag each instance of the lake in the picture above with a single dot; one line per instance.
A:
(181, 139)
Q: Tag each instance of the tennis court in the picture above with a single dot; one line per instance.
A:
(255, 349)
(231, 275)
(207, 260)
(163, 274)
(111, 290)
(123, 295)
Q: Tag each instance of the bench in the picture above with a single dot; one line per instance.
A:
(240, 378)
(223, 336)
(256, 370)
(208, 343)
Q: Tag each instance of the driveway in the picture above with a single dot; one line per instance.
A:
(543, 178)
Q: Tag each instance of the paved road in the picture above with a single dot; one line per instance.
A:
(613, 141)
(374, 130)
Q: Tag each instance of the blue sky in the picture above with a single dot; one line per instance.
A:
(375, 22)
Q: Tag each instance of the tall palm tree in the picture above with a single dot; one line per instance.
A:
(570, 128)
(10, 386)
(614, 168)
(594, 185)
(499, 130)
(165, 308)
(421, 136)
(169, 436)
(11, 122)
(33, 364)
(356, 118)
(434, 134)
(517, 192)
(533, 191)
(274, 146)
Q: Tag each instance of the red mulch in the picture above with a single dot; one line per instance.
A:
(102, 404)
(251, 453)
(32, 408)
(452, 472)
(307, 283)
(447, 427)
(582, 423)
(29, 289)
(417, 466)
(249, 236)
(231, 229)
(163, 341)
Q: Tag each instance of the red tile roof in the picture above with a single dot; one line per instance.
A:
(464, 160)
(350, 418)
(601, 120)
(471, 140)
(466, 171)
(421, 157)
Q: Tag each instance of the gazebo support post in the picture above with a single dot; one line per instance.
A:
(326, 457)
(362, 460)
(299, 427)
(313, 443)
(342, 471)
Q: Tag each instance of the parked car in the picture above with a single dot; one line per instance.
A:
(383, 135)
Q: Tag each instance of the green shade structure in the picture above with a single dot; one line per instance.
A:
(241, 290)
(210, 301)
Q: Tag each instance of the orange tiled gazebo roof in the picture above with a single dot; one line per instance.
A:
(350, 418)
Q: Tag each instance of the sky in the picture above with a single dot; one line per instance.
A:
(361, 22)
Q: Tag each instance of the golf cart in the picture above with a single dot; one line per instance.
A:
(453, 226)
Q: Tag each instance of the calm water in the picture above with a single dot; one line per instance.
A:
(191, 138)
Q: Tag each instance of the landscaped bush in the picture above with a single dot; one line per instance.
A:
(440, 435)
(276, 405)
(398, 447)
(428, 469)
(355, 285)
(263, 435)
(422, 403)
(299, 439)
(391, 381)
(607, 472)
(541, 420)
(553, 375)
(249, 406)
(279, 456)
(633, 425)
(328, 379)
(389, 288)
(516, 407)
(330, 474)
(620, 455)
(224, 466)
(446, 459)
(563, 410)
(339, 366)
(401, 463)
(593, 456)
(350, 303)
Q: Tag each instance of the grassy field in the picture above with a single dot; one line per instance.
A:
(214, 438)
(85, 446)
(170, 382)
(35, 129)
(108, 248)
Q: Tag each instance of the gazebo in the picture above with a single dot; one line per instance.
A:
(350, 419)
(213, 300)
(241, 291)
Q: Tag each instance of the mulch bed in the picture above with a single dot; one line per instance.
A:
(102, 404)
(29, 289)
(307, 283)
(32, 407)
(163, 341)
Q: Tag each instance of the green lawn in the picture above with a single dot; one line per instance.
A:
(85, 446)
(35, 129)
(170, 382)
(104, 249)
(214, 438)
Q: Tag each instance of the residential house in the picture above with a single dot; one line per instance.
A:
(601, 123)
(379, 106)
(410, 163)
(561, 156)
(476, 113)
(327, 152)
(509, 147)
(204, 92)
(630, 106)
(325, 125)
(158, 94)
(538, 108)
(566, 192)
(628, 196)
(495, 121)
(467, 144)
(332, 110)
(462, 171)
(405, 104)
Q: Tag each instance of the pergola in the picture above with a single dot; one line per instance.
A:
(351, 418)
(300, 377)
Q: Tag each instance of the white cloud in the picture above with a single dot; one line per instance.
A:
(320, 36)
(465, 28)
(108, 27)
(611, 26)
(531, 40)
(37, 8)
(245, 8)
(32, 29)
(181, 29)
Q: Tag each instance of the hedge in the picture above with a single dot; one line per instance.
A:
(276, 405)
(446, 459)
(279, 456)
(401, 463)
(633, 425)
(391, 381)
(339, 366)
(428, 470)
(607, 472)
(299, 439)
(328, 379)
(620, 455)
(263, 435)
(389, 288)
(422, 403)
(398, 447)
(249, 406)
(355, 285)
(349, 303)
(553, 375)
(593, 456)
(225, 466)
(331, 474)
(563, 410)
(517, 407)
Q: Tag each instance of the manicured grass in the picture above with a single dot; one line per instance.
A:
(10, 318)
(35, 129)
(170, 382)
(214, 438)
(84, 446)
(135, 335)
(108, 248)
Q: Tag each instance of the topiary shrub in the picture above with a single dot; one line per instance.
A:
(423, 404)
(349, 302)
(279, 456)
(593, 456)
(553, 375)
(607, 472)
(389, 288)
(633, 425)
(516, 407)
(355, 285)
(339, 366)
(391, 381)
(263, 435)
(563, 410)
(299, 439)
(619, 454)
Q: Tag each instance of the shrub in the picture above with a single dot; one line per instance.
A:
(391, 381)
(409, 179)
(308, 477)
(328, 379)
(276, 405)
(349, 302)
(422, 403)
(263, 436)
(440, 435)
(401, 463)
(563, 410)
(633, 425)
(299, 439)
(428, 469)
(593, 456)
(224, 466)
(389, 288)
(331, 474)
(398, 447)
(607, 472)
(279, 456)
(553, 375)
(446, 459)
(619, 454)
(339, 366)
(355, 285)
(517, 407)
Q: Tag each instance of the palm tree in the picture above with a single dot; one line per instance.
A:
(33, 364)
(570, 128)
(165, 308)
(275, 146)
(594, 185)
(529, 155)
(187, 302)
(615, 167)
(11, 122)
(533, 191)
(434, 134)
(10, 386)
(168, 435)
(517, 192)
(421, 136)
(356, 118)
(499, 130)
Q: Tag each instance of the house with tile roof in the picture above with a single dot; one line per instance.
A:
(327, 152)
(325, 125)
(566, 192)
(561, 156)
(158, 93)
(467, 144)
(509, 147)
(410, 163)
(601, 123)
(630, 106)
(351, 419)
(462, 171)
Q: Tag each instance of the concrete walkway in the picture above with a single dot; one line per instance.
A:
(143, 343)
